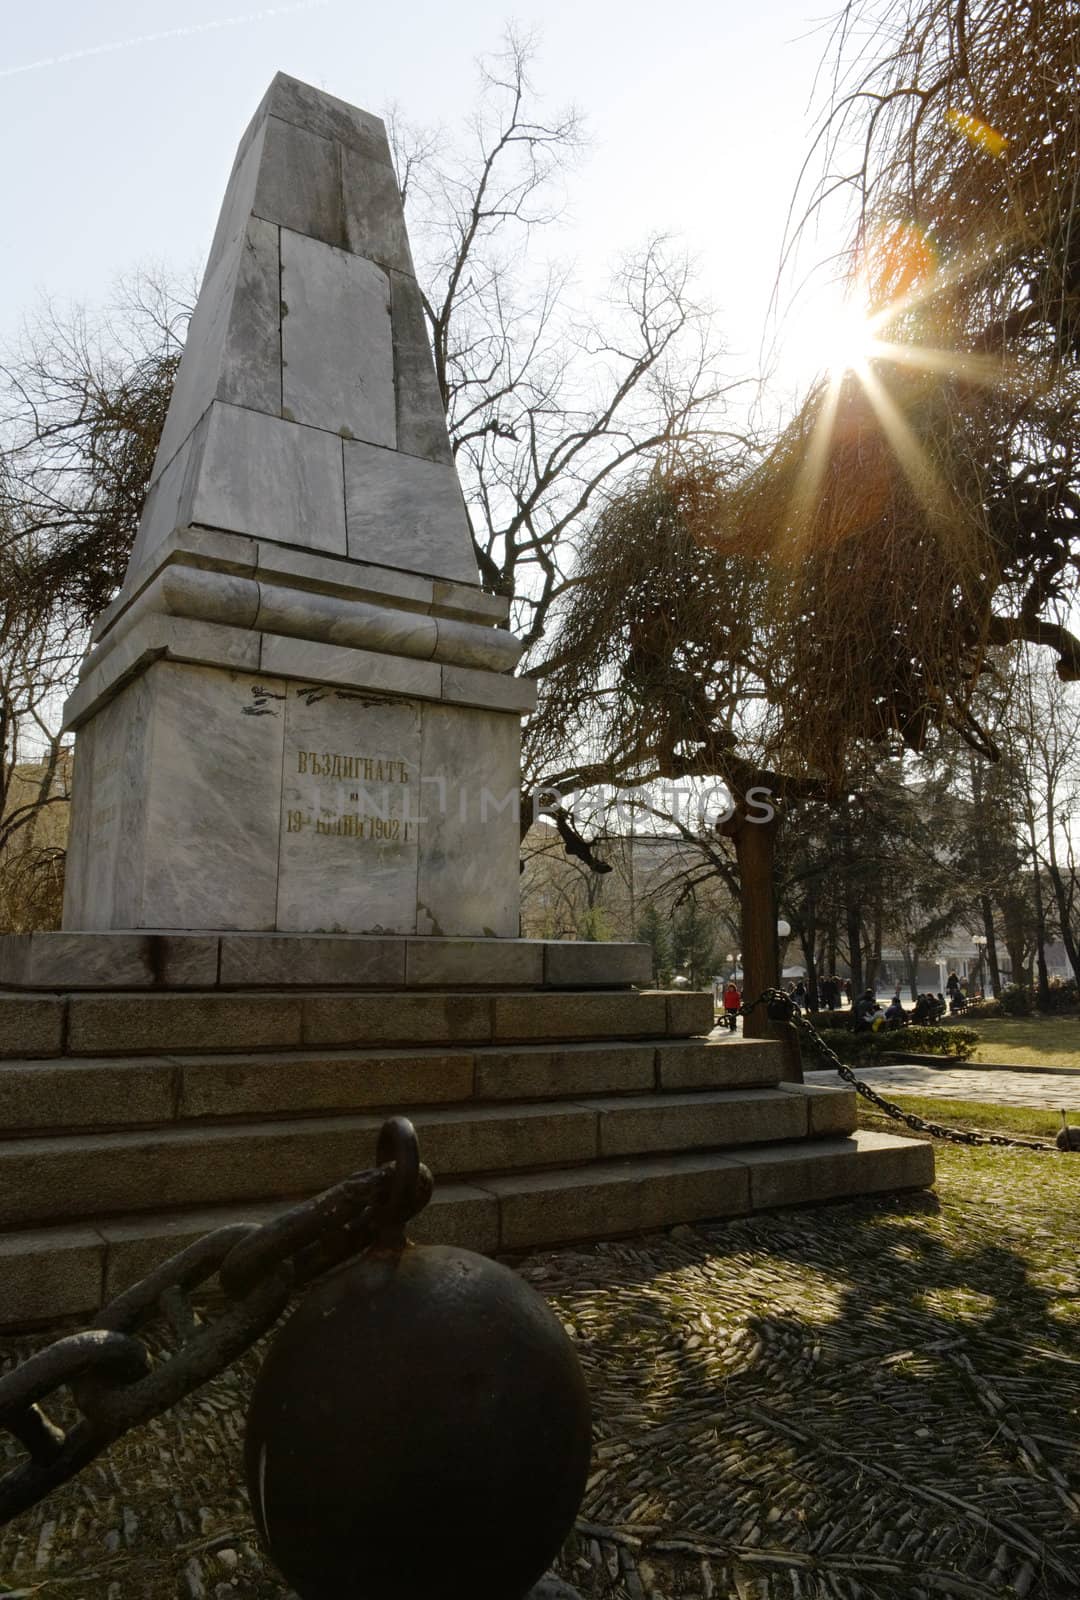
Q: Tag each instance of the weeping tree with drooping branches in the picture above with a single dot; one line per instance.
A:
(930, 496)
(667, 665)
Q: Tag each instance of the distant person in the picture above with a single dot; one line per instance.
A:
(925, 1009)
(952, 985)
(866, 1010)
(732, 1002)
(848, 991)
(798, 994)
(940, 1007)
(895, 1016)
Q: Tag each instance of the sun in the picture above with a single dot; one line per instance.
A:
(847, 338)
(826, 336)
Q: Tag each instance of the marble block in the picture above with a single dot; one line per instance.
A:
(421, 421)
(309, 329)
(262, 475)
(406, 512)
(180, 825)
(234, 337)
(207, 800)
(349, 837)
(470, 764)
(336, 342)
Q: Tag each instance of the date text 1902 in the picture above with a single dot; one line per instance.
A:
(391, 828)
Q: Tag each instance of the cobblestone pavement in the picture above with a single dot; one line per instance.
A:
(871, 1401)
(1042, 1090)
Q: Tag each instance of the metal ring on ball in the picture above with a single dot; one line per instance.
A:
(406, 1193)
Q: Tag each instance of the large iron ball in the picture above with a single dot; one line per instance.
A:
(420, 1427)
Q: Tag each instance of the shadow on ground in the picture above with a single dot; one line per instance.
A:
(872, 1401)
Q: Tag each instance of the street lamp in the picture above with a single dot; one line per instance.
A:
(979, 941)
(783, 928)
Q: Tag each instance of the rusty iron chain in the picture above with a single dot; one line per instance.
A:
(115, 1382)
(782, 1008)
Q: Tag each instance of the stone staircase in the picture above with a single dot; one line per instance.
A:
(132, 1123)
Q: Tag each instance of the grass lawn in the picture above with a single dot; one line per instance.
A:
(1020, 1120)
(1028, 1041)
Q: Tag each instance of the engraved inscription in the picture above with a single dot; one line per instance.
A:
(356, 796)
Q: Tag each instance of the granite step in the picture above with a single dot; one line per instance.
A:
(50, 1179)
(82, 1094)
(68, 1271)
(36, 1026)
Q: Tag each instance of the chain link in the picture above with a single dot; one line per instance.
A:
(115, 1382)
(782, 1008)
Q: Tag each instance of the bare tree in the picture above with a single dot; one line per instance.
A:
(82, 404)
(549, 399)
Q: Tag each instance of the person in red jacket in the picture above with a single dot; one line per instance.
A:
(732, 1002)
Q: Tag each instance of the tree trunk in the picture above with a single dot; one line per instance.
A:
(874, 974)
(991, 945)
(854, 933)
(755, 853)
(1016, 940)
(911, 961)
(1043, 986)
(809, 950)
(1064, 909)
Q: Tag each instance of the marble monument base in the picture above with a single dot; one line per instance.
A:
(271, 741)
(209, 799)
(128, 961)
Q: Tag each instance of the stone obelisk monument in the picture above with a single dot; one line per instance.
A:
(298, 715)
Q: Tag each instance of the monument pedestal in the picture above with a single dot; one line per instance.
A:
(137, 1118)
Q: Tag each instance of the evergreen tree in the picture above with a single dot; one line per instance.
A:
(654, 930)
(694, 943)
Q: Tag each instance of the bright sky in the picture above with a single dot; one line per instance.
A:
(119, 121)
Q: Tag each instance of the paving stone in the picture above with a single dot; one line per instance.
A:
(68, 1094)
(710, 1064)
(108, 960)
(574, 964)
(616, 1198)
(1047, 1091)
(830, 1111)
(535, 1072)
(486, 1139)
(56, 1179)
(458, 1214)
(255, 960)
(716, 1119)
(403, 1019)
(135, 1247)
(133, 1024)
(829, 1169)
(510, 962)
(31, 1026)
(690, 1012)
(309, 1081)
(45, 1276)
(579, 1016)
